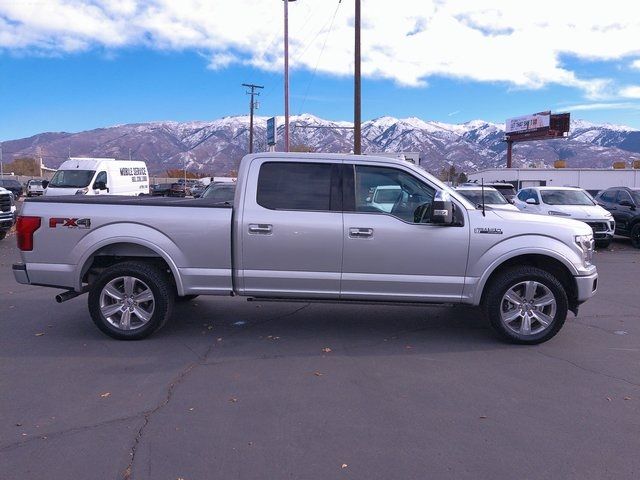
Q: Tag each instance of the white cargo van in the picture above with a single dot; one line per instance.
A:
(99, 176)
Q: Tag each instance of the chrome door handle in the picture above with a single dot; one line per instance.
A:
(260, 228)
(355, 232)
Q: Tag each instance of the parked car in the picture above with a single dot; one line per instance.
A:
(178, 189)
(35, 187)
(7, 211)
(160, 189)
(569, 202)
(197, 189)
(623, 203)
(12, 185)
(220, 192)
(300, 228)
(492, 197)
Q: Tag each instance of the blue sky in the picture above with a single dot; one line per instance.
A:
(56, 76)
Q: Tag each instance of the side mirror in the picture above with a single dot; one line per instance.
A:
(45, 183)
(531, 201)
(442, 209)
(99, 186)
(626, 203)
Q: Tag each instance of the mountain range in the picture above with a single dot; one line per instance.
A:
(216, 147)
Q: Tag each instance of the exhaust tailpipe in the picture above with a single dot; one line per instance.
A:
(69, 294)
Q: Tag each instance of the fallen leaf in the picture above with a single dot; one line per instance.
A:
(210, 327)
(483, 417)
(39, 334)
(233, 399)
(608, 399)
(318, 374)
(105, 395)
(18, 424)
(326, 350)
(219, 339)
(250, 443)
(344, 465)
(191, 409)
(408, 347)
(627, 398)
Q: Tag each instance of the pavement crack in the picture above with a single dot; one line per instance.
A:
(589, 370)
(126, 474)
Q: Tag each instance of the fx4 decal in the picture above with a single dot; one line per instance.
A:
(70, 222)
(493, 231)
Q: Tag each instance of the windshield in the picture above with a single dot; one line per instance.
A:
(220, 193)
(565, 197)
(71, 178)
(10, 183)
(491, 197)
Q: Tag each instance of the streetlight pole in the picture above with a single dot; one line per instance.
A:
(357, 119)
(286, 74)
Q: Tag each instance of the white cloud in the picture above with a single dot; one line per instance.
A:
(519, 43)
(632, 91)
(636, 64)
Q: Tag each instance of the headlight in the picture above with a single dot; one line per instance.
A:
(12, 199)
(586, 244)
(608, 215)
(82, 191)
(556, 213)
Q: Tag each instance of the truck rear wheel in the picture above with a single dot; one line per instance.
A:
(526, 305)
(131, 300)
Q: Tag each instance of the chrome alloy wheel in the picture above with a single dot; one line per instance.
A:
(127, 303)
(528, 308)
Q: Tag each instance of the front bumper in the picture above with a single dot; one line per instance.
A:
(586, 287)
(7, 220)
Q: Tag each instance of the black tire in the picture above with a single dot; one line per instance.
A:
(504, 281)
(186, 298)
(635, 235)
(603, 243)
(3, 233)
(157, 281)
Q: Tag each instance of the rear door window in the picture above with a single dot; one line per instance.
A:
(296, 186)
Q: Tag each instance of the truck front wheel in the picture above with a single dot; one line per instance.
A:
(526, 305)
(131, 300)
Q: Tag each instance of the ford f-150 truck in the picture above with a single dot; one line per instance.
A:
(304, 227)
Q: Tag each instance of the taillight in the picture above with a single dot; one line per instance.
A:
(25, 226)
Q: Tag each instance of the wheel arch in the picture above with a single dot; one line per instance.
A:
(115, 250)
(543, 261)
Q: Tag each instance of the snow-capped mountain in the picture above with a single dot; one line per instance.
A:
(215, 147)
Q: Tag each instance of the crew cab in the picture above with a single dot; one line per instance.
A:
(304, 227)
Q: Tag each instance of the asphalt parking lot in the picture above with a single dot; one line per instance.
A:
(238, 390)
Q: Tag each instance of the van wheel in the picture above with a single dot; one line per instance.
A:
(526, 305)
(131, 300)
(635, 235)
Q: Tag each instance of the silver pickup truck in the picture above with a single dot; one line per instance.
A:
(305, 227)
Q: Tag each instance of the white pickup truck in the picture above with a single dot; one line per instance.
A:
(304, 227)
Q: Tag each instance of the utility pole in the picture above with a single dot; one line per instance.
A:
(252, 105)
(1, 165)
(286, 74)
(357, 119)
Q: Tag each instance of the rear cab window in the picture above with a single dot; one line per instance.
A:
(299, 186)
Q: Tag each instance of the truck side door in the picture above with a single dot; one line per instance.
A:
(398, 255)
(290, 231)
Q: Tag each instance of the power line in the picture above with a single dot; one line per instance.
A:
(313, 75)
